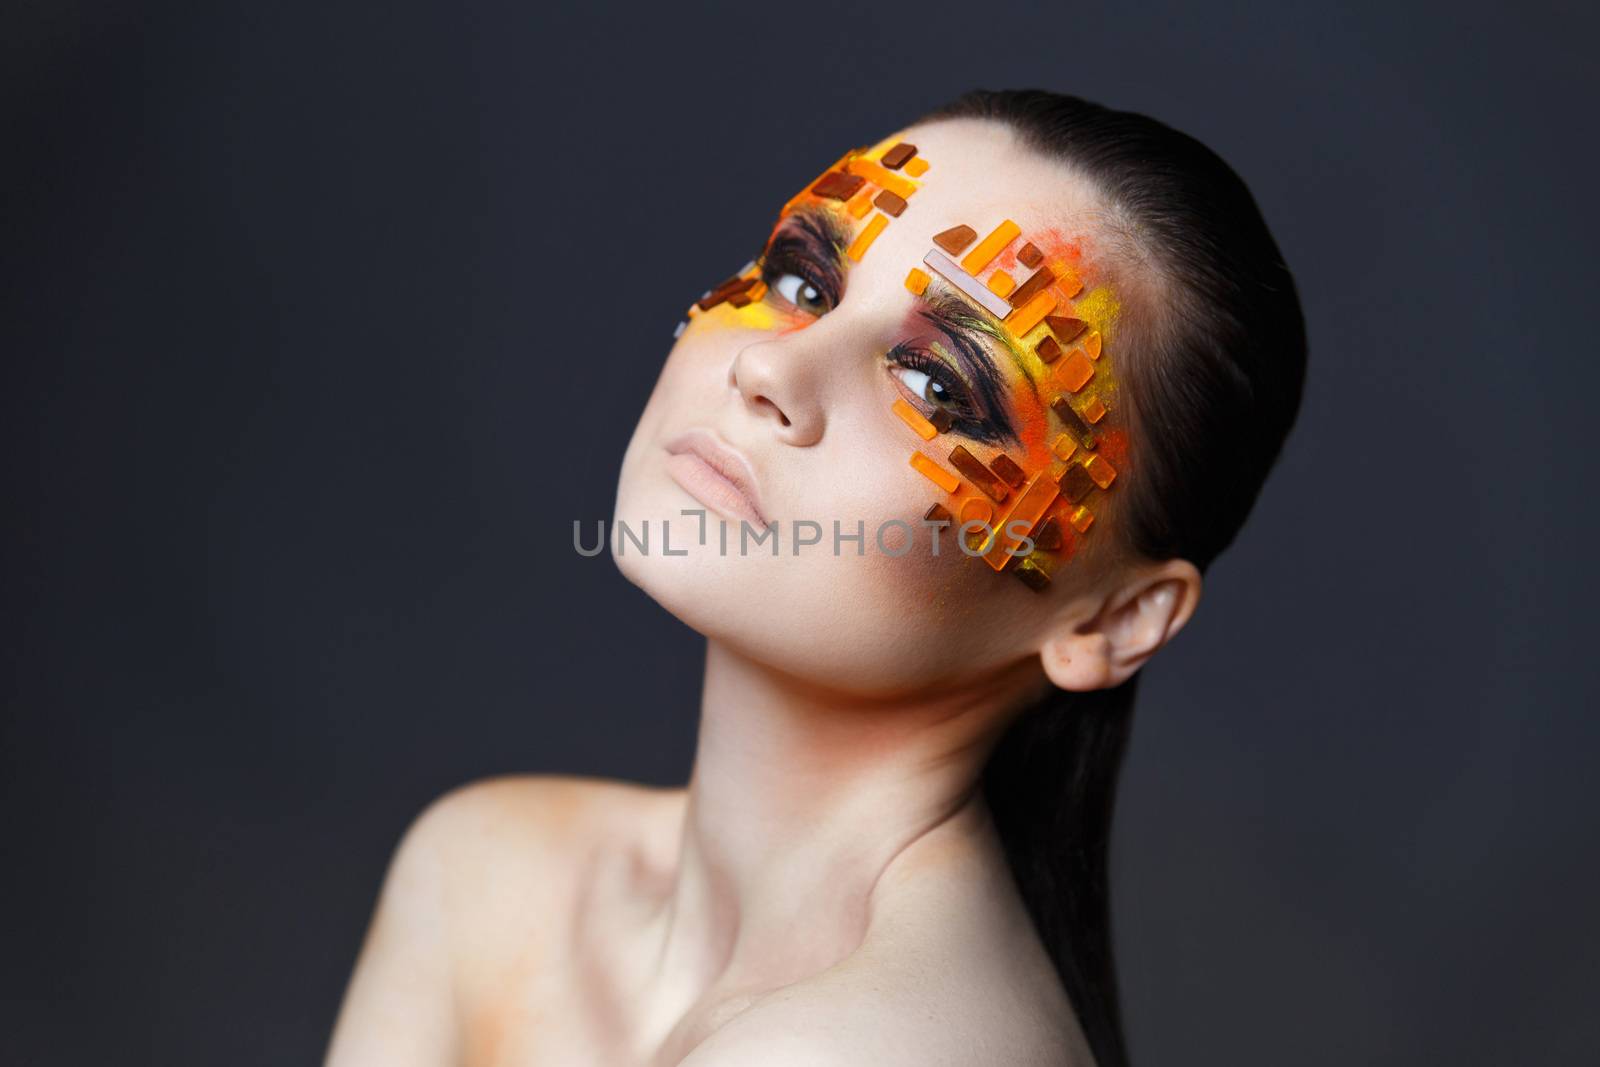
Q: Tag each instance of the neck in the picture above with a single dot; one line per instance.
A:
(799, 801)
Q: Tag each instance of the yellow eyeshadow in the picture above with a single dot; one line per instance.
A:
(1099, 308)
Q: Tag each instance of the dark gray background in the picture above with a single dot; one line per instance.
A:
(312, 316)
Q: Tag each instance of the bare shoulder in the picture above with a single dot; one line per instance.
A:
(949, 972)
(515, 851)
(519, 815)
(478, 874)
(523, 802)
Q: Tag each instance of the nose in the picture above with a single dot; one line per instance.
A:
(780, 379)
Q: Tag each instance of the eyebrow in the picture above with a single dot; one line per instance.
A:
(944, 303)
(822, 227)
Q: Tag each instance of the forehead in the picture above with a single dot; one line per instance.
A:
(980, 174)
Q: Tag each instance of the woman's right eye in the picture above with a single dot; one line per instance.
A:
(801, 293)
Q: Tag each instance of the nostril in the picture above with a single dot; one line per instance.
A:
(763, 402)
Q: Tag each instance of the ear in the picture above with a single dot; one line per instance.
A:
(1128, 627)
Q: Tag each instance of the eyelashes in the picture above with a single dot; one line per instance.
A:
(978, 378)
(811, 248)
(783, 257)
(938, 375)
(968, 416)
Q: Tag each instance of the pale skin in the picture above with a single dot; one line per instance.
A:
(828, 889)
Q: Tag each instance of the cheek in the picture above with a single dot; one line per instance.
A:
(886, 614)
(868, 481)
(695, 370)
(702, 357)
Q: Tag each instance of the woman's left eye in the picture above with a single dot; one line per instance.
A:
(801, 293)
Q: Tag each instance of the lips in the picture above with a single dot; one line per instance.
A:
(716, 475)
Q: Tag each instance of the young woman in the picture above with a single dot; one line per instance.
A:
(935, 476)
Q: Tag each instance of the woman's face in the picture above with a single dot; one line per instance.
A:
(822, 379)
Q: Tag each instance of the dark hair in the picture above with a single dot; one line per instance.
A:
(1213, 372)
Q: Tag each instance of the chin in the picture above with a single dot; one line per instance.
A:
(718, 595)
(865, 624)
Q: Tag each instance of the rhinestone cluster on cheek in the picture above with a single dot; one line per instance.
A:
(998, 506)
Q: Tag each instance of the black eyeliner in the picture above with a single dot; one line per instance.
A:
(979, 365)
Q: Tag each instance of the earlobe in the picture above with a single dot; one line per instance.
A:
(1077, 660)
